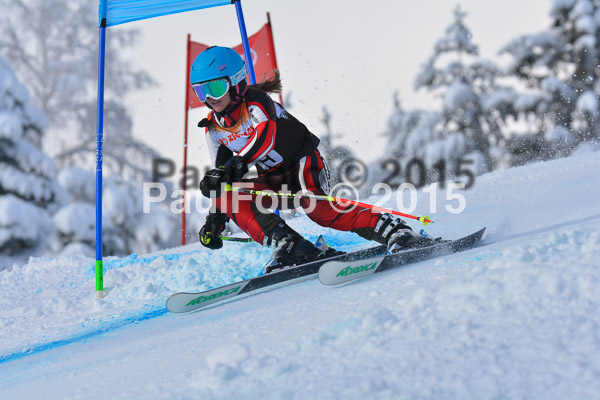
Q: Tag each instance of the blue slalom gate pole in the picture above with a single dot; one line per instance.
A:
(245, 43)
(99, 150)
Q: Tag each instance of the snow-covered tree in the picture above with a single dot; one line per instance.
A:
(474, 106)
(29, 192)
(125, 226)
(464, 135)
(334, 155)
(560, 69)
(53, 45)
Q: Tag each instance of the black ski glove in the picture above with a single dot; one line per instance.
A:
(233, 171)
(210, 234)
(212, 182)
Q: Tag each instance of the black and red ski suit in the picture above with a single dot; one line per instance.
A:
(286, 157)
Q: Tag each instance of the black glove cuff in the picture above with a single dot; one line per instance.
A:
(217, 218)
(236, 167)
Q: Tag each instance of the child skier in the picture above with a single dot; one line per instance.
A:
(246, 128)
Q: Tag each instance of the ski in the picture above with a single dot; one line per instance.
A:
(349, 266)
(185, 302)
(335, 272)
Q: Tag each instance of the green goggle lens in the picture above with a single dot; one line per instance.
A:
(214, 89)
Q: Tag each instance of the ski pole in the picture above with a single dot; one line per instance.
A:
(236, 239)
(229, 188)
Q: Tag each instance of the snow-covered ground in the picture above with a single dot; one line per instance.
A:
(517, 317)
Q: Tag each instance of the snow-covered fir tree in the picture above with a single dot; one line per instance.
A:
(29, 192)
(405, 131)
(335, 155)
(126, 228)
(53, 46)
(474, 107)
(560, 69)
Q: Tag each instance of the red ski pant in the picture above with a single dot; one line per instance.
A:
(251, 213)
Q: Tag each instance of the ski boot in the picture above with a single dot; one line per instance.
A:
(396, 235)
(405, 239)
(292, 249)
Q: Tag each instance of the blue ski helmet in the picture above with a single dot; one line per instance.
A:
(217, 70)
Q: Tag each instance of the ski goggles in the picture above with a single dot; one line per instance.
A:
(219, 87)
(214, 89)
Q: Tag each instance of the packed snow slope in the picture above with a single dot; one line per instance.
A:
(517, 317)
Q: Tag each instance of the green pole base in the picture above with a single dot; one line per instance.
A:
(99, 277)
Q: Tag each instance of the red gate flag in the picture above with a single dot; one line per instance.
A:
(263, 59)
(194, 49)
